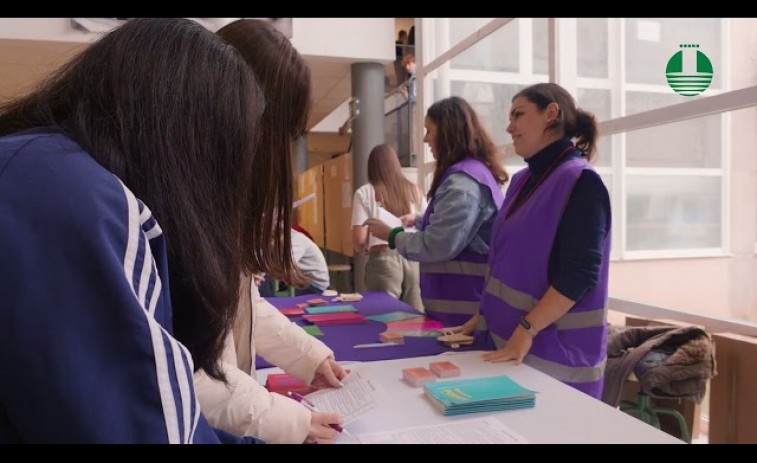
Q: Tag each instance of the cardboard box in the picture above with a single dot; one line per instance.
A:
(311, 212)
(337, 204)
(733, 392)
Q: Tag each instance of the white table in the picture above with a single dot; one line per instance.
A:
(561, 415)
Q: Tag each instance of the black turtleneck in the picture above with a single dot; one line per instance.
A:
(576, 255)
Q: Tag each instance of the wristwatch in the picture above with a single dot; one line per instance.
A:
(527, 326)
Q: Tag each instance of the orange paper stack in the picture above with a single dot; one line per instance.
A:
(389, 336)
(445, 369)
(418, 376)
(283, 383)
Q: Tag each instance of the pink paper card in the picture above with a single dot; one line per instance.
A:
(414, 325)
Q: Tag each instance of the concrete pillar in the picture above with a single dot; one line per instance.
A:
(367, 132)
(300, 155)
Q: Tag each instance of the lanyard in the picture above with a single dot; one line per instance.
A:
(516, 204)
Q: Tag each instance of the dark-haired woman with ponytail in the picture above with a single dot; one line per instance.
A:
(546, 295)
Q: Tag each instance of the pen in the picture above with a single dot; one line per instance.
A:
(376, 344)
(311, 406)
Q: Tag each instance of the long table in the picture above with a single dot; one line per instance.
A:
(342, 338)
(562, 414)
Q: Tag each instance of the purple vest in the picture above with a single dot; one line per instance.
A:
(572, 349)
(451, 290)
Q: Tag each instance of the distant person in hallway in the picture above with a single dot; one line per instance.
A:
(243, 405)
(452, 243)
(388, 189)
(408, 89)
(399, 48)
(399, 44)
(546, 297)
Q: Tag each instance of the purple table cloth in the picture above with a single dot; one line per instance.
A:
(342, 338)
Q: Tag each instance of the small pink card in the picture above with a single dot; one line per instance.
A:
(415, 324)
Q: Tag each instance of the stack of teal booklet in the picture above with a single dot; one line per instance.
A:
(456, 397)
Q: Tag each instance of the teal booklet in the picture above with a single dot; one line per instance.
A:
(321, 309)
(455, 397)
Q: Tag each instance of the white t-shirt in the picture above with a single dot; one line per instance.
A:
(365, 206)
(310, 260)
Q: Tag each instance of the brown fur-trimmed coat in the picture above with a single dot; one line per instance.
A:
(668, 361)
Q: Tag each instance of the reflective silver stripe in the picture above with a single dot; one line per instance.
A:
(481, 324)
(587, 319)
(557, 370)
(455, 267)
(517, 299)
(523, 301)
(444, 306)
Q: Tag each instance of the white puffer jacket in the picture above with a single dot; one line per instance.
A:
(245, 407)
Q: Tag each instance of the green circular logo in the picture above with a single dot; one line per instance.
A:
(689, 71)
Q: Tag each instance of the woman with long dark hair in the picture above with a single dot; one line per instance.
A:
(125, 225)
(244, 406)
(454, 232)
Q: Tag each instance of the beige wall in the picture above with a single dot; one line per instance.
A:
(699, 285)
(24, 62)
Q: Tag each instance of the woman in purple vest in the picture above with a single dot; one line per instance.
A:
(546, 295)
(454, 233)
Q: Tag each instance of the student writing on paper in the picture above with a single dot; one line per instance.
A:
(551, 246)
(125, 179)
(465, 195)
(387, 196)
(242, 405)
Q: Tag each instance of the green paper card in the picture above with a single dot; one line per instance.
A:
(393, 316)
(313, 330)
(418, 333)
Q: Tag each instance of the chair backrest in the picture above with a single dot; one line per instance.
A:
(278, 292)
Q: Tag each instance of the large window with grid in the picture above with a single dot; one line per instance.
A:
(681, 169)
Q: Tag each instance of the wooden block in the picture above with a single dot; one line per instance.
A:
(632, 320)
(349, 297)
(444, 369)
(733, 402)
(456, 340)
(390, 336)
(417, 376)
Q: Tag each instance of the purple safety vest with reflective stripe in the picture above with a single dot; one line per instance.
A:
(573, 349)
(451, 291)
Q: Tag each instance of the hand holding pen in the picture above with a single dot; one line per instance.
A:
(323, 426)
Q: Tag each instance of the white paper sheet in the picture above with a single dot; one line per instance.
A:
(484, 430)
(361, 393)
(387, 217)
